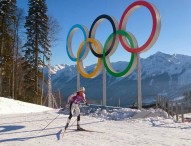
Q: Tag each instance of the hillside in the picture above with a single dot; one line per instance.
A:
(162, 74)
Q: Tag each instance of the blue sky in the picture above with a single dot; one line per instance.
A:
(175, 34)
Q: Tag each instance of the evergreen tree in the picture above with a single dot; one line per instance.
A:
(7, 36)
(18, 71)
(36, 47)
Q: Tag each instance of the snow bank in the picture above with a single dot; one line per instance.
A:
(11, 106)
(119, 114)
(153, 117)
(114, 114)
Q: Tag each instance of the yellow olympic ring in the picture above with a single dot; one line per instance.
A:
(99, 65)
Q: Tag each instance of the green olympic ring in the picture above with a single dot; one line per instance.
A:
(133, 61)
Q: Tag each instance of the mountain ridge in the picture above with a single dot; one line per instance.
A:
(161, 73)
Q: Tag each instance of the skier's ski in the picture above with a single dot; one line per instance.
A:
(67, 128)
(86, 130)
(80, 129)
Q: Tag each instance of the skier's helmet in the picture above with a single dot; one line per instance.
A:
(81, 89)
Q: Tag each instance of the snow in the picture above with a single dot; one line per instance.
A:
(10, 106)
(179, 98)
(57, 68)
(110, 127)
(161, 62)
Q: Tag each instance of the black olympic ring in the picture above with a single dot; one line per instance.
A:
(115, 40)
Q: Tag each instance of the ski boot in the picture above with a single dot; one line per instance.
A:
(79, 128)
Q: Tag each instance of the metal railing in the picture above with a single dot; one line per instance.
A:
(174, 108)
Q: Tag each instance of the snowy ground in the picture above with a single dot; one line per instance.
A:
(128, 128)
(10, 106)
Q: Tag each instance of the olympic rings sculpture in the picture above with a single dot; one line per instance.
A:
(119, 34)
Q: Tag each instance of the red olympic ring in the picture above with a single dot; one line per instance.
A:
(155, 29)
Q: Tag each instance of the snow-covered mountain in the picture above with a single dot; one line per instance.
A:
(161, 74)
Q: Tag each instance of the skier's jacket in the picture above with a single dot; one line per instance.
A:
(75, 98)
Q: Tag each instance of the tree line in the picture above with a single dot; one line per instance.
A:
(25, 43)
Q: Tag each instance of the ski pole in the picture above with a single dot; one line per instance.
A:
(72, 124)
(68, 127)
(50, 122)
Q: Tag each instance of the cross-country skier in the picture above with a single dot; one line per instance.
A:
(74, 102)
